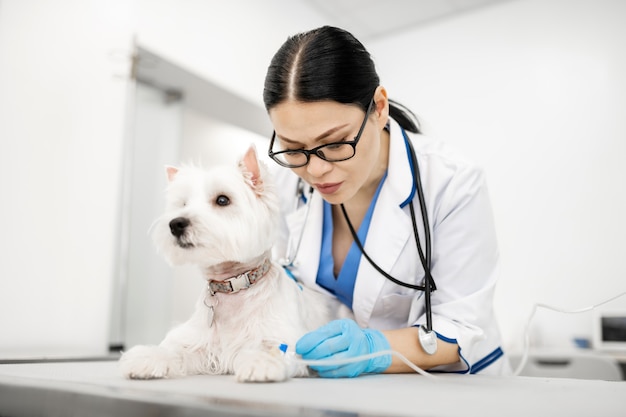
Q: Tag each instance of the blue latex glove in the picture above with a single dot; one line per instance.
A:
(342, 339)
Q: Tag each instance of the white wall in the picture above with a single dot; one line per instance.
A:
(534, 91)
(62, 105)
(157, 133)
(229, 43)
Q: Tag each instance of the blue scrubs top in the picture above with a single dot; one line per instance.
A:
(342, 286)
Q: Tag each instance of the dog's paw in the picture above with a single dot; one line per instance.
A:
(261, 367)
(150, 362)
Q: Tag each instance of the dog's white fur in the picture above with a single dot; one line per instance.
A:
(229, 333)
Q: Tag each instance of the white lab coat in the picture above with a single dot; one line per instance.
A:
(464, 251)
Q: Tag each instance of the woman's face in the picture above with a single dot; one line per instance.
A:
(306, 125)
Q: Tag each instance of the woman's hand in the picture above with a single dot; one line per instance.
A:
(343, 339)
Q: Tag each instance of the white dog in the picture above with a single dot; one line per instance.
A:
(225, 220)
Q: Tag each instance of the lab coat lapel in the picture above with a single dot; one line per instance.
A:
(387, 236)
(389, 231)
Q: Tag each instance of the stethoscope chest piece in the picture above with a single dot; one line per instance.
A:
(428, 340)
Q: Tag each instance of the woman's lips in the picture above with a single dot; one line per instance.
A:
(328, 188)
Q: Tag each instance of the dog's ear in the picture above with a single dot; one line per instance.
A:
(171, 172)
(249, 164)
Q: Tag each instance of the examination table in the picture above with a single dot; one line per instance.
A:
(95, 388)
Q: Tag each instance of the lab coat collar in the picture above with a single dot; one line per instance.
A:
(400, 168)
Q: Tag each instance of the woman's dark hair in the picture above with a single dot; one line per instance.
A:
(327, 63)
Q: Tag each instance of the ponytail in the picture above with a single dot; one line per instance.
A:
(404, 116)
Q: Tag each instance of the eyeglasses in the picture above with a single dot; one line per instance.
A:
(331, 152)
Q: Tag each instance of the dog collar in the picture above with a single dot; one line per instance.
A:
(240, 282)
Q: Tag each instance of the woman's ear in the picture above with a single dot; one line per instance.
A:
(382, 106)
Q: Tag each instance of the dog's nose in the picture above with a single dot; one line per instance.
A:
(178, 226)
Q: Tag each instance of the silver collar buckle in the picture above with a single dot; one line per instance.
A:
(240, 282)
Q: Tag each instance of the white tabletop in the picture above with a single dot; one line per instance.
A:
(96, 388)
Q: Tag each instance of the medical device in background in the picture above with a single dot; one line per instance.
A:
(609, 330)
(526, 349)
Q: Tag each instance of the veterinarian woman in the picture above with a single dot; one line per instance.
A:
(347, 155)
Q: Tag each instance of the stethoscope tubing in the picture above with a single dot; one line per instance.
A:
(291, 257)
(429, 282)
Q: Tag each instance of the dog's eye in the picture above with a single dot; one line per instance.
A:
(222, 200)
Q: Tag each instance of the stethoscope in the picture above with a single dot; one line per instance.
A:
(301, 198)
(427, 337)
